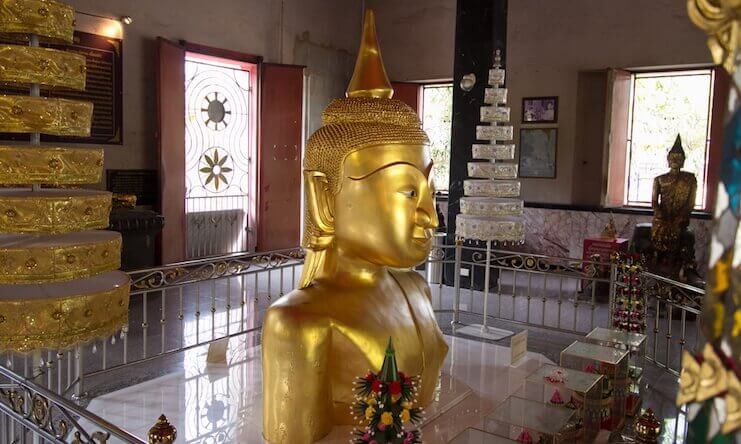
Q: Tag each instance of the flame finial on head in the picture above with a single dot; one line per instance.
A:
(677, 148)
(369, 78)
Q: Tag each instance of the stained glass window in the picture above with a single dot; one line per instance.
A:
(218, 145)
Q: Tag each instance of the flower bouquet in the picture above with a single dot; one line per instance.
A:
(384, 403)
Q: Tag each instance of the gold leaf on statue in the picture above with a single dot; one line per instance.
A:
(689, 379)
(712, 375)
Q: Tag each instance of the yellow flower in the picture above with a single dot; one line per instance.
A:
(371, 400)
(406, 404)
(721, 275)
(719, 311)
(737, 324)
(369, 412)
(405, 415)
(387, 418)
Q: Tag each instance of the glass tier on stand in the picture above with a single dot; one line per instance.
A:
(569, 389)
(635, 344)
(476, 436)
(528, 421)
(610, 363)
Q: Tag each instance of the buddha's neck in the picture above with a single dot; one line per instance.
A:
(346, 269)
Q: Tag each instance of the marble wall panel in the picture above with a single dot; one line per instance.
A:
(562, 232)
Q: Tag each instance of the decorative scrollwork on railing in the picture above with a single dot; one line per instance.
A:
(51, 416)
(47, 416)
(201, 270)
(532, 262)
(674, 292)
(436, 254)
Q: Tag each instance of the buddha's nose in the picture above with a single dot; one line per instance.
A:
(424, 219)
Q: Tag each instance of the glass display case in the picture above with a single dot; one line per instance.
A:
(528, 421)
(610, 362)
(570, 389)
(635, 344)
(476, 436)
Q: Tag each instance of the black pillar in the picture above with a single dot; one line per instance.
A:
(480, 29)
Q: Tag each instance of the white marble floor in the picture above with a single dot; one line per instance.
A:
(222, 403)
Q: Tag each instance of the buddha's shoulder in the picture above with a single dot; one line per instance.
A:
(289, 319)
(686, 175)
(301, 303)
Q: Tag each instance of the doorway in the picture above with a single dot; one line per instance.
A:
(220, 145)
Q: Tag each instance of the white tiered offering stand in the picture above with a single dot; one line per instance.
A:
(491, 210)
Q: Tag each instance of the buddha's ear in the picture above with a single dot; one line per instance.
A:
(319, 201)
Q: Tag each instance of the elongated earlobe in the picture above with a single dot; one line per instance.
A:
(319, 225)
(319, 202)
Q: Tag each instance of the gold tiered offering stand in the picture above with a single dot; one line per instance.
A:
(59, 280)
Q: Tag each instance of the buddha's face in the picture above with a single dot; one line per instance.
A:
(675, 160)
(385, 212)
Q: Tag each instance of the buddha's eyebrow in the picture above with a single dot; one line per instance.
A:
(426, 172)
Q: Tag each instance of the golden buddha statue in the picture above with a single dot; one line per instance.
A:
(370, 217)
(672, 200)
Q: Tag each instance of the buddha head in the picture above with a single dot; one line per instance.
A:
(676, 156)
(366, 175)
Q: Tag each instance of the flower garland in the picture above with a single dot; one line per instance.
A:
(629, 310)
(384, 403)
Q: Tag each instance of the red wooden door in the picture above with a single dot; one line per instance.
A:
(171, 144)
(409, 93)
(279, 160)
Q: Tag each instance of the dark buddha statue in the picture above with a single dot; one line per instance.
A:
(672, 248)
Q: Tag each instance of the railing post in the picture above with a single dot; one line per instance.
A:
(79, 386)
(457, 283)
(487, 276)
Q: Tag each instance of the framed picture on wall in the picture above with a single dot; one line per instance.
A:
(540, 109)
(538, 152)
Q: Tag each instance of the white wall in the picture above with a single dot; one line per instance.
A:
(417, 38)
(549, 42)
(321, 34)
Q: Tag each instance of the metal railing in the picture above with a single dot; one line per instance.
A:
(32, 413)
(542, 291)
(675, 308)
(181, 306)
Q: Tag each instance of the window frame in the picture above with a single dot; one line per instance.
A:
(619, 120)
(636, 75)
(437, 84)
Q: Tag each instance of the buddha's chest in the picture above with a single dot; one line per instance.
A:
(674, 187)
(362, 328)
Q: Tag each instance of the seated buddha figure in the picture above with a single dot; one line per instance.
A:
(672, 201)
(370, 217)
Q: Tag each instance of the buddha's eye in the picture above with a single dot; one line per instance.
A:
(409, 193)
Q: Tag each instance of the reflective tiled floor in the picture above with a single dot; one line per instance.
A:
(222, 403)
